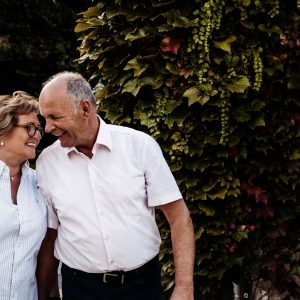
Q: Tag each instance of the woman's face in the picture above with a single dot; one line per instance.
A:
(18, 144)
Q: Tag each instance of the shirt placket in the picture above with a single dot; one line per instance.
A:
(103, 222)
(16, 269)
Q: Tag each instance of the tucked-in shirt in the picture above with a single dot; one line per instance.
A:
(103, 207)
(22, 229)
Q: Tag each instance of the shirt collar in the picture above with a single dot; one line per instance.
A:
(104, 135)
(103, 138)
(4, 167)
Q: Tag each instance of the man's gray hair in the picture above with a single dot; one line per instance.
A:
(77, 87)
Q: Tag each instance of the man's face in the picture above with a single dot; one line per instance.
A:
(62, 119)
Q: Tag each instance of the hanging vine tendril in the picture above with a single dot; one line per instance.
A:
(258, 68)
(274, 11)
(225, 109)
(208, 18)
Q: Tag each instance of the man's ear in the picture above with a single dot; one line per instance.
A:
(85, 108)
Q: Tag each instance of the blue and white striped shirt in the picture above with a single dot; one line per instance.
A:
(22, 229)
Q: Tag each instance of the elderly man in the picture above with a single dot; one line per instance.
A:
(102, 183)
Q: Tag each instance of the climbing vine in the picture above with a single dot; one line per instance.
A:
(215, 83)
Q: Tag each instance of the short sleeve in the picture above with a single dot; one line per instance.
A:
(51, 212)
(160, 183)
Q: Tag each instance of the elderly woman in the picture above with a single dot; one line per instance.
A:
(22, 209)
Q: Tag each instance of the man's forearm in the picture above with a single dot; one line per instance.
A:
(184, 253)
(182, 234)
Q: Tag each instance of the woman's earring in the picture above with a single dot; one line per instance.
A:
(2, 144)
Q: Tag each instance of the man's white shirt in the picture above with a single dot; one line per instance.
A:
(103, 207)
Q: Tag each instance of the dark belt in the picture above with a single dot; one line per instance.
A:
(117, 277)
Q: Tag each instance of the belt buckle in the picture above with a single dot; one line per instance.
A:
(106, 277)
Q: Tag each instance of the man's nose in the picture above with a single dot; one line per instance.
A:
(49, 126)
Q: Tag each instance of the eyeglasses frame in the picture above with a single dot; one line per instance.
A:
(40, 129)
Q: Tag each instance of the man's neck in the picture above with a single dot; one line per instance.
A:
(87, 148)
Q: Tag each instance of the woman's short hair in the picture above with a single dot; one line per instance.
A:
(11, 106)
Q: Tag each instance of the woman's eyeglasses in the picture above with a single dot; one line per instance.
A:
(31, 129)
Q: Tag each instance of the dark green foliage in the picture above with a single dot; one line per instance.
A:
(37, 39)
(217, 84)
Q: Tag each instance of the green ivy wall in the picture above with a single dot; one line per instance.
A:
(216, 83)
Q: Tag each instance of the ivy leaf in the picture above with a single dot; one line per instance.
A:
(171, 105)
(209, 211)
(241, 116)
(162, 3)
(239, 235)
(193, 95)
(172, 68)
(131, 86)
(191, 165)
(183, 22)
(113, 11)
(177, 117)
(164, 27)
(140, 33)
(91, 12)
(239, 84)
(112, 115)
(212, 184)
(269, 30)
(203, 255)
(95, 22)
(80, 27)
(215, 232)
(226, 44)
(134, 64)
(124, 78)
(295, 155)
(198, 233)
(112, 90)
(175, 167)
(213, 140)
(257, 105)
(189, 182)
(175, 19)
(259, 121)
(176, 136)
(219, 194)
(206, 87)
(101, 93)
(156, 82)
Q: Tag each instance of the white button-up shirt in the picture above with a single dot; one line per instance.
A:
(22, 229)
(103, 207)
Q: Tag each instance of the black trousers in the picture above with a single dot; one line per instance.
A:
(143, 283)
